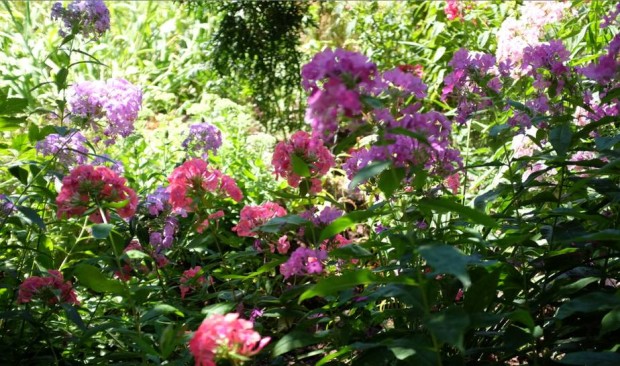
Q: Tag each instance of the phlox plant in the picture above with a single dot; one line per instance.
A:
(475, 222)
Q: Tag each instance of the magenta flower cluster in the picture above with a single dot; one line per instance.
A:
(335, 81)
(203, 137)
(116, 100)
(90, 18)
(466, 83)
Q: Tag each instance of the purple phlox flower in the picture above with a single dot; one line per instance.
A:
(327, 215)
(404, 81)
(610, 18)
(335, 81)
(70, 150)
(203, 137)
(91, 18)
(157, 201)
(6, 205)
(117, 100)
(606, 66)
(304, 261)
(256, 313)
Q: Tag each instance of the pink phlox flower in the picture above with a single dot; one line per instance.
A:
(191, 280)
(220, 336)
(252, 217)
(310, 150)
(52, 289)
(190, 182)
(87, 186)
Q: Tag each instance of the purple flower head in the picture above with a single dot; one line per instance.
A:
(6, 206)
(116, 100)
(203, 137)
(91, 18)
(157, 201)
(304, 261)
(327, 215)
(404, 81)
(335, 80)
(69, 150)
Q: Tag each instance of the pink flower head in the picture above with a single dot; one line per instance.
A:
(52, 290)
(190, 182)
(283, 245)
(191, 280)
(453, 9)
(223, 337)
(89, 186)
(254, 216)
(311, 151)
(304, 261)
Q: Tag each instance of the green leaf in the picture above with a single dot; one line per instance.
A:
(447, 205)
(293, 340)
(102, 231)
(276, 224)
(482, 292)
(13, 106)
(587, 358)
(158, 310)
(20, 173)
(74, 316)
(219, 308)
(344, 222)
(447, 259)
(32, 216)
(91, 277)
(449, 326)
(560, 138)
(348, 280)
(61, 78)
(299, 166)
(350, 251)
(372, 102)
(592, 302)
(611, 321)
(371, 170)
(11, 123)
(390, 180)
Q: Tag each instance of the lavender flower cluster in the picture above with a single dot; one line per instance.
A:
(69, 150)
(203, 137)
(158, 206)
(91, 18)
(6, 206)
(117, 100)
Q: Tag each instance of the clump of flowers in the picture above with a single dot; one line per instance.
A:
(466, 82)
(116, 100)
(322, 218)
(304, 261)
(91, 18)
(606, 67)
(69, 150)
(515, 34)
(95, 187)
(161, 233)
(252, 217)
(335, 80)
(51, 289)
(433, 155)
(191, 280)
(551, 57)
(203, 137)
(306, 149)
(190, 183)
(225, 337)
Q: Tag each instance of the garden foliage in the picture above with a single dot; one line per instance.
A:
(452, 199)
